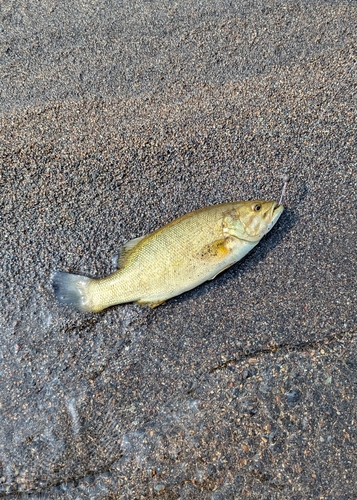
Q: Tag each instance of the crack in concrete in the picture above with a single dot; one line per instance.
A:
(90, 475)
(314, 344)
(63, 484)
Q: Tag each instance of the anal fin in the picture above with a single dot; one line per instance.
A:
(150, 304)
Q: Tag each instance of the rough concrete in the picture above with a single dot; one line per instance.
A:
(117, 117)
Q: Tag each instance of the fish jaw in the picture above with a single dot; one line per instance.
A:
(276, 212)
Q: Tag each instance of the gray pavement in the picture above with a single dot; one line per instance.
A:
(117, 117)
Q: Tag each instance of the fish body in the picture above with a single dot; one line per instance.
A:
(175, 258)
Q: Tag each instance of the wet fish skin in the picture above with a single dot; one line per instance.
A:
(175, 258)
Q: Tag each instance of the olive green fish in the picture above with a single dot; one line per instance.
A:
(175, 258)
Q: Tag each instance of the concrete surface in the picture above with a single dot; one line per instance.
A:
(117, 117)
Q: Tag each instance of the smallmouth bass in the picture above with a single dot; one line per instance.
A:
(175, 258)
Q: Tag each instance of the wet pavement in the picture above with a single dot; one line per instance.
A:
(115, 119)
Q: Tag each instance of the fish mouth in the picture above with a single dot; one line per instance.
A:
(276, 210)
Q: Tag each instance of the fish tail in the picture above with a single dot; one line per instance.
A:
(72, 290)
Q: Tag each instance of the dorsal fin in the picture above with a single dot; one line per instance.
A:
(126, 249)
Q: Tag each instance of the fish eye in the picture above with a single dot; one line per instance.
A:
(257, 207)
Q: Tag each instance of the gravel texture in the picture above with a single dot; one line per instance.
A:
(117, 117)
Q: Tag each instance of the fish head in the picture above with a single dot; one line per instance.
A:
(253, 219)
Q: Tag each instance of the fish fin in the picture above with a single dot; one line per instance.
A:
(71, 289)
(221, 271)
(215, 251)
(151, 304)
(125, 250)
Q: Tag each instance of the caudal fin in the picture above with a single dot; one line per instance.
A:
(71, 289)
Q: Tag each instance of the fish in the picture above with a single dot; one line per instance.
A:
(175, 258)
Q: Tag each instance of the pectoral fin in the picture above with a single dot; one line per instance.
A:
(216, 251)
